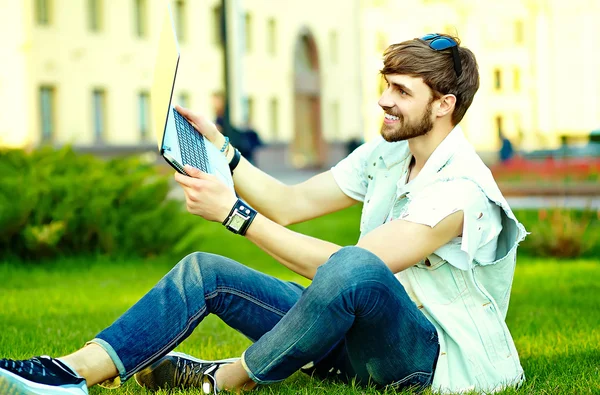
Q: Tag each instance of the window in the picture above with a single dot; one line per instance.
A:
(272, 37)
(180, 21)
(47, 113)
(141, 15)
(42, 11)
(184, 99)
(274, 116)
(95, 15)
(516, 80)
(248, 31)
(217, 23)
(144, 113)
(497, 79)
(99, 104)
(249, 110)
(333, 46)
(499, 126)
(519, 34)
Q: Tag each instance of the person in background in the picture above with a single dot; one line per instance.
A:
(506, 149)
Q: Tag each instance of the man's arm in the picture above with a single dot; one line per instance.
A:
(289, 204)
(400, 244)
(281, 203)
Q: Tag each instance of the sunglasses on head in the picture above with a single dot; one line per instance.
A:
(438, 42)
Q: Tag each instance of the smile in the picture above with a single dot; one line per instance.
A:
(390, 117)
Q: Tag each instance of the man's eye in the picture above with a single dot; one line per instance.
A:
(403, 92)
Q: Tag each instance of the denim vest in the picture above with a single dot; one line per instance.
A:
(466, 302)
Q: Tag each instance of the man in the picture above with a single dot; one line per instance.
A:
(419, 301)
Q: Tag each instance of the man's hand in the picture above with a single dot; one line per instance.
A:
(203, 126)
(205, 195)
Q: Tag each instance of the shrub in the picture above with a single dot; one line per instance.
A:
(56, 202)
(561, 233)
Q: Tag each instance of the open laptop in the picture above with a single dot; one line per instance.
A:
(178, 142)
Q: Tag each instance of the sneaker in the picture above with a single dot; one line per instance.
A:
(39, 375)
(178, 370)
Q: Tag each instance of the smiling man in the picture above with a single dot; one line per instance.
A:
(420, 301)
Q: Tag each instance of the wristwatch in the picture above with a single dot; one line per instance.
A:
(240, 217)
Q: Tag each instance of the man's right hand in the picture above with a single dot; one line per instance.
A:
(203, 126)
(282, 203)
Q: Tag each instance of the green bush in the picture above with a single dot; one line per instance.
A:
(56, 202)
(561, 233)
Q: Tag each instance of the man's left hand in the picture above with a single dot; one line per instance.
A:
(205, 195)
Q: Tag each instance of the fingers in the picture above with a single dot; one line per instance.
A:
(184, 111)
(193, 172)
(194, 119)
(193, 175)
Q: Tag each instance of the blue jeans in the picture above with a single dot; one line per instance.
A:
(355, 321)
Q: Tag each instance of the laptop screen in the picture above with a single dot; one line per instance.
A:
(165, 67)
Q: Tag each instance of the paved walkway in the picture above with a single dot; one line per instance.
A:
(292, 177)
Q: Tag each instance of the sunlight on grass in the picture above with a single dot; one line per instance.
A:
(55, 307)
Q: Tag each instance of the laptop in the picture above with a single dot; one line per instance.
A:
(178, 142)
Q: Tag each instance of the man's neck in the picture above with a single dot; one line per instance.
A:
(422, 147)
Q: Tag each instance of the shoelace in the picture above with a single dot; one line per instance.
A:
(28, 366)
(191, 374)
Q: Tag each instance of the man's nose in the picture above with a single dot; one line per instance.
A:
(385, 101)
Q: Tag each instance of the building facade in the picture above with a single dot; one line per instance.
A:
(539, 75)
(80, 72)
(304, 74)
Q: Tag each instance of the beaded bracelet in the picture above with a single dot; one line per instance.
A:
(225, 144)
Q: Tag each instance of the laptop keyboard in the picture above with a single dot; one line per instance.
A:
(191, 144)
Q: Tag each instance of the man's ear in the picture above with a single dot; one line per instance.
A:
(447, 103)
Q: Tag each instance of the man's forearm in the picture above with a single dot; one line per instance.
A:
(261, 191)
(300, 253)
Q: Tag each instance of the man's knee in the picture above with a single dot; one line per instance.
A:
(352, 265)
(204, 266)
(195, 266)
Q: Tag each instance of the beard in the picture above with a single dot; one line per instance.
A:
(404, 130)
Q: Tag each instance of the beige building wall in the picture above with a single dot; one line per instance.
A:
(542, 51)
(66, 55)
(14, 111)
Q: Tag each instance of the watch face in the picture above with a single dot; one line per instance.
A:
(236, 222)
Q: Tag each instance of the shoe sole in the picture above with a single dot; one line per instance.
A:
(157, 378)
(186, 356)
(11, 384)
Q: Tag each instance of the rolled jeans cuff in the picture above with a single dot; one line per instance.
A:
(252, 376)
(116, 381)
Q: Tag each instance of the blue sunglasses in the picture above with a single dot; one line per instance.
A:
(438, 42)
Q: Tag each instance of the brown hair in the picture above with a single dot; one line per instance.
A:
(436, 68)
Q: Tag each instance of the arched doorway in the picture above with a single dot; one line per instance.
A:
(308, 147)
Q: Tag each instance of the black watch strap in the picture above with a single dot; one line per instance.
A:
(240, 217)
(235, 160)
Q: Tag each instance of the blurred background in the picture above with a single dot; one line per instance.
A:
(90, 217)
(303, 74)
(297, 82)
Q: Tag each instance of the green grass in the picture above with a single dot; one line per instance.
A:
(54, 307)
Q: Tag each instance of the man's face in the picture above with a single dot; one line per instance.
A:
(407, 103)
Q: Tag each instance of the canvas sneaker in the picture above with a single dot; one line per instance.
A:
(178, 370)
(39, 375)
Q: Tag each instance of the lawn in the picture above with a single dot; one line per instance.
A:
(54, 307)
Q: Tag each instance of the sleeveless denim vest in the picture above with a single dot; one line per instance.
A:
(467, 304)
